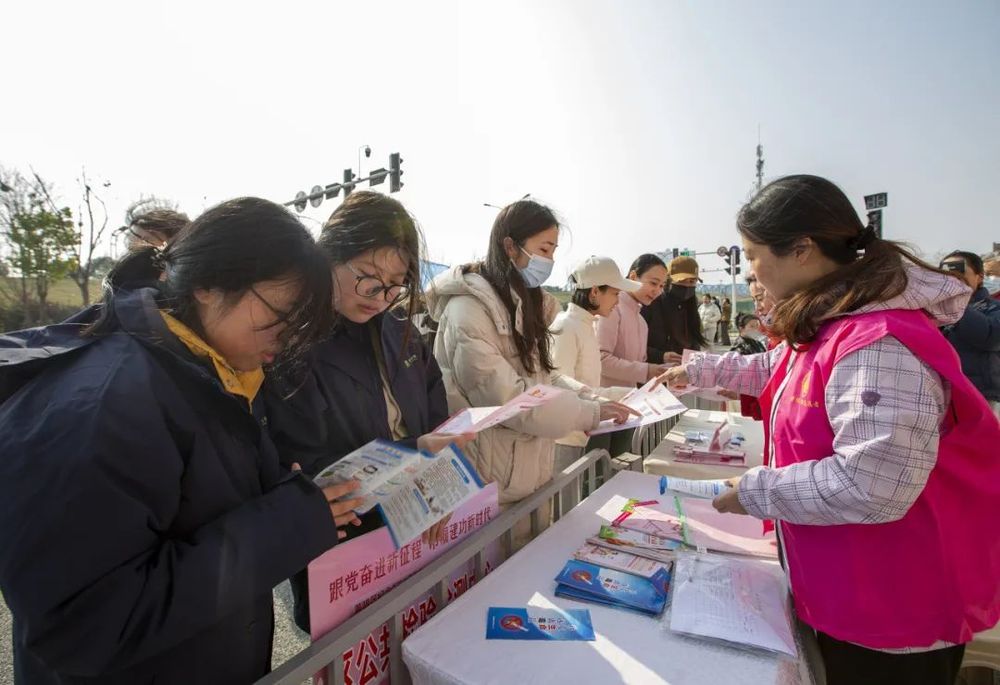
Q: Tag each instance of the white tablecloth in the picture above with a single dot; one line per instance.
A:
(661, 460)
(451, 648)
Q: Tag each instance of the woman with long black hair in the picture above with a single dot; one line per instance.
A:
(493, 343)
(371, 377)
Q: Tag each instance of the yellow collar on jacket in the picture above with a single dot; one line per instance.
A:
(245, 384)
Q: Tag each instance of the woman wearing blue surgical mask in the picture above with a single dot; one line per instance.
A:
(493, 343)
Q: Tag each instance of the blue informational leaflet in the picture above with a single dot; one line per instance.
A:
(520, 623)
(588, 582)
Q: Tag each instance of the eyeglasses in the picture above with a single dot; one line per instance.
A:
(958, 267)
(372, 286)
(281, 317)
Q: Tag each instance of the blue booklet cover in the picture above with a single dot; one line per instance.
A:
(605, 585)
(520, 623)
(581, 596)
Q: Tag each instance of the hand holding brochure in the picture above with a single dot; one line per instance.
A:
(476, 419)
(519, 623)
(412, 490)
(654, 403)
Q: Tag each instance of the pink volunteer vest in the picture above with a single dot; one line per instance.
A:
(932, 575)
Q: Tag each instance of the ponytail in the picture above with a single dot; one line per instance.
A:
(140, 267)
(871, 269)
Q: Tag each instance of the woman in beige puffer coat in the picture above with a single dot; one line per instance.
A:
(493, 343)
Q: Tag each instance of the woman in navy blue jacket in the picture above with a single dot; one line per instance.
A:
(144, 517)
(373, 377)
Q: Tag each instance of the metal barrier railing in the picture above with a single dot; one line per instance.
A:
(433, 578)
(646, 438)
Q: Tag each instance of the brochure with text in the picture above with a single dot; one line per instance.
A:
(476, 419)
(654, 403)
(412, 490)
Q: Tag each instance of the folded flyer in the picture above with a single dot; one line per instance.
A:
(654, 403)
(531, 623)
(412, 490)
(581, 580)
(476, 419)
(619, 560)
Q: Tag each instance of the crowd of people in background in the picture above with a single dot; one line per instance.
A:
(233, 357)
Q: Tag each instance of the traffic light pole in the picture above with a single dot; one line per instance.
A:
(316, 196)
(732, 302)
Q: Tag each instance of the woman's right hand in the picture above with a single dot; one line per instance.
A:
(617, 411)
(676, 377)
(343, 510)
(656, 370)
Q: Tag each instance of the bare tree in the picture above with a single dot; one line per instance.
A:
(92, 222)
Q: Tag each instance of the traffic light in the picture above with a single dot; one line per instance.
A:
(395, 172)
(348, 184)
(677, 253)
(377, 176)
(733, 261)
(875, 221)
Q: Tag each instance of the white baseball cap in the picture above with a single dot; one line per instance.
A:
(602, 271)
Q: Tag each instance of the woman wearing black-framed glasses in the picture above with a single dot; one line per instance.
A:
(373, 377)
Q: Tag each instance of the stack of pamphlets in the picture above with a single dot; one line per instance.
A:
(619, 560)
(723, 447)
(692, 521)
(587, 582)
(636, 543)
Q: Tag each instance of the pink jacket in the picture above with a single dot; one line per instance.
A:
(622, 339)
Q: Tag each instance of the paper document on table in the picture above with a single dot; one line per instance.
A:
(475, 419)
(654, 403)
(733, 601)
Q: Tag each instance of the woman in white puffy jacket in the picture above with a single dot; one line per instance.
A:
(710, 316)
(493, 343)
(576, 350)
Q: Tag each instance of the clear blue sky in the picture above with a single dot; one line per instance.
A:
(636, 120)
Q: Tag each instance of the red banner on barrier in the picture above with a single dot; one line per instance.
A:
(354, 574)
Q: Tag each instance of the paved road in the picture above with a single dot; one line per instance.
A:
(288, 639)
